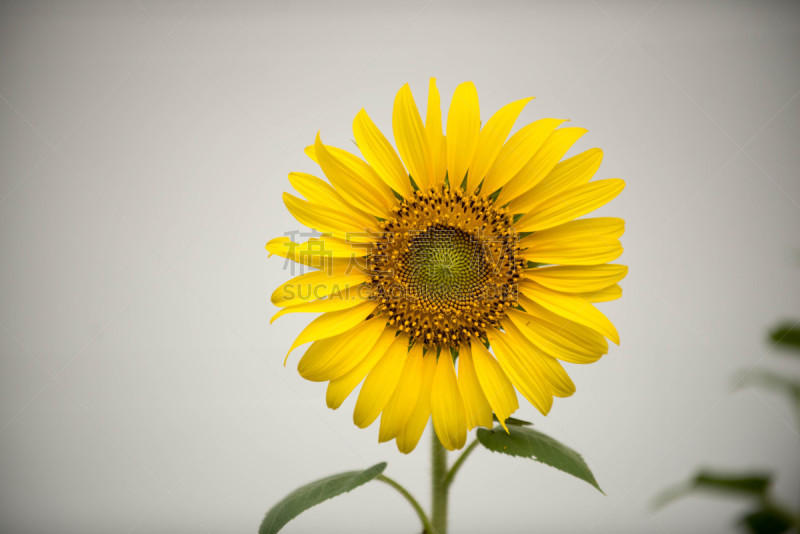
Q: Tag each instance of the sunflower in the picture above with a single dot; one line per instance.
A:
(465, 249)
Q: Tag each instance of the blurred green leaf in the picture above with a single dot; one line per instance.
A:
(767, 521)
(528, 443)
(314, 493)
(754, 484)
(771, 380)
(788, 336)
(748, 484)
(513, 421)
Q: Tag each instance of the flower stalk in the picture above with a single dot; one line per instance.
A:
(426, 524)
(439, 486)
(451, 474)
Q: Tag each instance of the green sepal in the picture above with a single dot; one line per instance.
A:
(513, 421)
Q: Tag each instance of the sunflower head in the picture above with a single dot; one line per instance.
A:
(442, 248)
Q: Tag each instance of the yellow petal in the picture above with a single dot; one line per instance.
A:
(602, 295)
(340, 388)
(578, 279)
(477, 408)
(437, 145)
(582, 242)
(540, 164)
(447, 406)
(318, 191)
(524, 374)
(315, 285)
(491, 139)
(463, 130)
(380, 155)
(338, 300)
(560, 383)
(373, 185)
(329, 220)
(560, 338)
(598, 228)
(494, 383)
(318, 253)
(338, 248)
(402, 402)
(409, 134)
(381, 383)
(333, 323)
(518, 151)
(570, 205)
(575, 253)
(570, 307)
(409, 435)
(332, 357)
(326, 247)
(315, 189)
(354, 180)
(569, 173)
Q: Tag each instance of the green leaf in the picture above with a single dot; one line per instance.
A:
(747, 484)
(753, 483)
(312, 494)
(767, 521)
(529, 443)
(774, 381)
(786, 335)
(513, 421)
(770, 380)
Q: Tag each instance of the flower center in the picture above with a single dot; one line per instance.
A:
(446, 267)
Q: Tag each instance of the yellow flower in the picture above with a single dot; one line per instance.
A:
(462, 243)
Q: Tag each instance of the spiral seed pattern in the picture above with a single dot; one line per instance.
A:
(446, 267)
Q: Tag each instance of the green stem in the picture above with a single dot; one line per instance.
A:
(448, 479)
(439, 486)
(426, 524)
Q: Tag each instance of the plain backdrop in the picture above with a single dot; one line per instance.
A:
(144, 147)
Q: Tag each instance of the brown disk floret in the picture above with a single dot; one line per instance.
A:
(446, 267)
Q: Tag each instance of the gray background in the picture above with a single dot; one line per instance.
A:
(144, 148)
